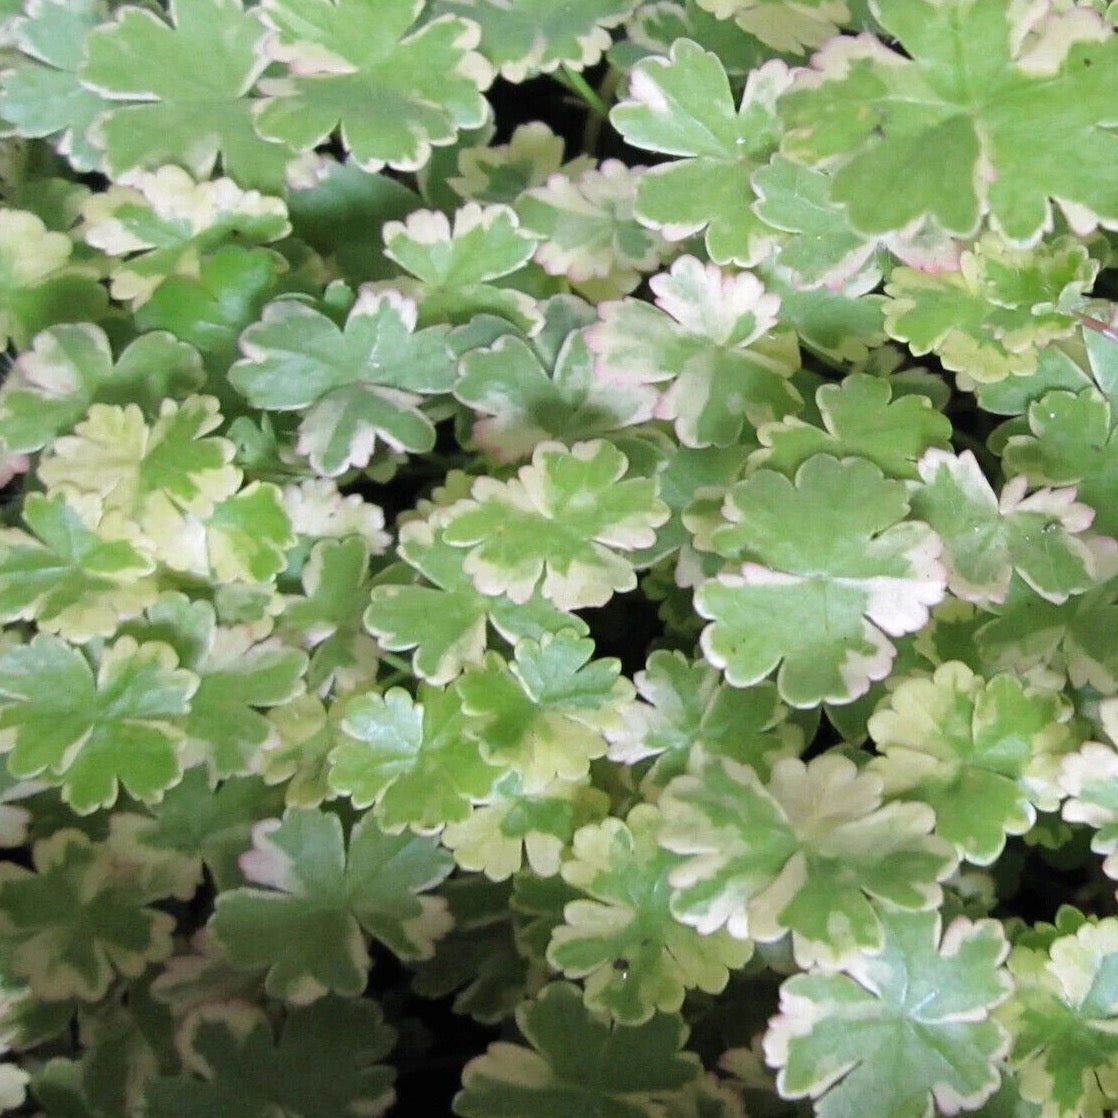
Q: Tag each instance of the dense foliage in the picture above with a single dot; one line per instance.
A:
(598, 517)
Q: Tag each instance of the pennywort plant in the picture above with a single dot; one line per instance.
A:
(594, 518)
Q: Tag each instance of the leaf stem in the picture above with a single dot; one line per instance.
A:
(577, 84)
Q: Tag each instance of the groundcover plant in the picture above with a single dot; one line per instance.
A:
(592, 520)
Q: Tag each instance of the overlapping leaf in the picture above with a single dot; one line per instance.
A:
(683, 106)
(987, 537)
(358, 386)
(69, 927)
(831, 570)
(307, 926)
(167, 107)
(807, 852)
(563, 524)
(578, 1062)
(982, 753)
(393, 88)
(1002, 110)
(707, 338)
(622, 937)
(900, 1029)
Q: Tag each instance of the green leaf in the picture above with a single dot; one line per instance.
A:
(328, 619)
(683, 106)
(1061, 1019)
(528, 390)
(92, 734)
(546, 713)
(67, 368)
(577, 1063)
(990, 319)
(831, 570)
(39, 284)
(304, 734)
(517, 824)
(324, 1063)
(588, 230)
(1089, 780)
(455, 263)
(71, 580)
(357, 386)
(685, 709)
(394, 89)
(622, 937)
(708, 338)
(784, 26)
(43, 96)
(808, 852)
(238, 675)
(165, 223)
(565, 519)
(1002, 120)
(248, 534)
(73, 924)
(415, 760)
(341, 212)
(1071, 441)
(308, 926)
(859, 419)
(902, 1028)
(177, 109)
(987, 538)
(528, 37)
(446, 622)
(159, 478)
(982, 753)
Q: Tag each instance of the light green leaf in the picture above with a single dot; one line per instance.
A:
(902, 1028)
(1089, 780)
(546, 713)
(358, 386)
(982, 753)
(1071, 441)
(637, 959)
(414, 761)
(1002, 120)
(708, 338)
(92, 734)
(394, 90)
(455, 263)
(578, 1063)
(686, 711)
(566, 519)
(528, 390)
(808, 852)
(989, 319)
(248, 534)
(446, 622)
(308, 925)
(73, 924)
(42, 96)
(517, 825)
(781, 25)
(184, 85)
(987, 538)
(67, 368)
(527, 37)
(164, 223)
(39, 284)
(69, 579)
(860, 419)
(1062, 1018)
(304, 734)
(683, 106)
(588, 231)
(831, 570)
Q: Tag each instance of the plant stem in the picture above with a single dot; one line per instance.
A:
(577, 84)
